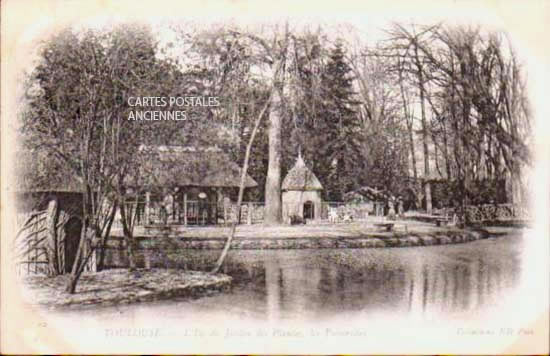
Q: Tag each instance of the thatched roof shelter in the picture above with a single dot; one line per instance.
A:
(301, 178)
(36, 171)
(189, 166)
(39, 178)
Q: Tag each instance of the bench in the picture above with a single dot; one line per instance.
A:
(387, 226)
(442, 221)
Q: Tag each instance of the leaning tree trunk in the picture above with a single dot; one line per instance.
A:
(76, 268)
(244, 170)
(126, 216)
(105, 237)
(82, 253)
(273, 180)
(51, 248)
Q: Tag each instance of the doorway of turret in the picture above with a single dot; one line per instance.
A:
(309, 210)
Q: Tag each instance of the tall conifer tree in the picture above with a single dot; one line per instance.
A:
(340, 135)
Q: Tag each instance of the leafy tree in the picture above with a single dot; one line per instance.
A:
(78, 113)
(65, 116)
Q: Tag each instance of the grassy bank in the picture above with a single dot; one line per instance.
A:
(120, 286)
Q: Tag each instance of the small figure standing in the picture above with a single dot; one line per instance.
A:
(391, 208)
(400, 209)
(167, 207)
(332, 215)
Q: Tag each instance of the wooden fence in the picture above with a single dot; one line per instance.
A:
(197, 213)
(39, 246)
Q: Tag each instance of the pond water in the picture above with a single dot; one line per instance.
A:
(466, 298)
(320, 284)
(452, 281)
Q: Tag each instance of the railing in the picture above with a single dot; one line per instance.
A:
(201, 213)
(251, 212)
(196, 213)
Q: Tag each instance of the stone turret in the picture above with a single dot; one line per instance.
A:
(301, 193)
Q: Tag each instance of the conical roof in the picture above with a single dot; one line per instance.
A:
(301, 178)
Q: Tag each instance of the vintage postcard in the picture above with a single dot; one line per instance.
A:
(333, 177)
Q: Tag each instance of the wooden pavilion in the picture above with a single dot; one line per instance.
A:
(194, 185)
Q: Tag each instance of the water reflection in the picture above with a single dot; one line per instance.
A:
(418, 281)
(452, 281)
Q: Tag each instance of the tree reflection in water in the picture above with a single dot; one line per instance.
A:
(424, 281)
(452, 281)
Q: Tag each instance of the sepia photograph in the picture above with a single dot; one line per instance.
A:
(256, 177)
